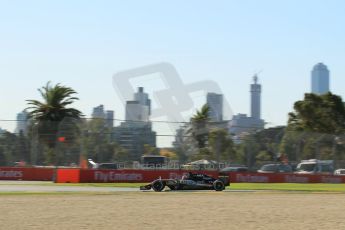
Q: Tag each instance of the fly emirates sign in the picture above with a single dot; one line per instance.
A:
(114, 176)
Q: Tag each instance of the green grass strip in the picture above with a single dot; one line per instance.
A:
(289, 187)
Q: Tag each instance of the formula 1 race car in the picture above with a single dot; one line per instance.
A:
(189, 182)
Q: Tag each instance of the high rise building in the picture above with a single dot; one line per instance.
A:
(136, 111)
(320, 79)
(22, 122)
(140, 108)
(136, 131)
(99, 113)
(215, 104)
(255, 93)
(143, 98)
(241, 123)
(109, 118)
(133, 136)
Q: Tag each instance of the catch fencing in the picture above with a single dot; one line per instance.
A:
(70, 143)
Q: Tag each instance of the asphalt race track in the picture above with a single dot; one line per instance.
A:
(46, 187)
(29, 186)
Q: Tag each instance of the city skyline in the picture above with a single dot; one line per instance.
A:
(141, 98)
(82, 45)
(253, 108)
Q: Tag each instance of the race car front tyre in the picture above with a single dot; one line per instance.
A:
(218, 185)
(158, 186)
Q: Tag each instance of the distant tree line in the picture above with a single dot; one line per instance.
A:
(58, 135)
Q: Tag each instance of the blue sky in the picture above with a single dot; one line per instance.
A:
(83, 43)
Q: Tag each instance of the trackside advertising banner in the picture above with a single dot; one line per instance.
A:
(143, 176)
(34, 174)
(284, 178)
(109, 176)
(127, 176)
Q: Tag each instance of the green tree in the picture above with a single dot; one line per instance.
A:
(200, 126)
(13, 148)
(206, 141)
(98, 144)
(7, 149)
(168, 153)
(314, 126)
(120, 154)
(3, 161)
(221, 145)
(250, 148)
(96, 141)
(22, 148)
(182, 152)
(318, 114)
(52, 113)
(150, 150)
(261, 146)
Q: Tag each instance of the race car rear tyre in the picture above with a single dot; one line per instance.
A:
(218, 185)
(158, 186)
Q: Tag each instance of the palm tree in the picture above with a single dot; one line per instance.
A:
(199, 126)
(49, 115)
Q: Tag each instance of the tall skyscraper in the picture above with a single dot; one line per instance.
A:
(320, 79)
(241, 123)
(215, 104)
(139, 109)
(143, 98)
(255, 93)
